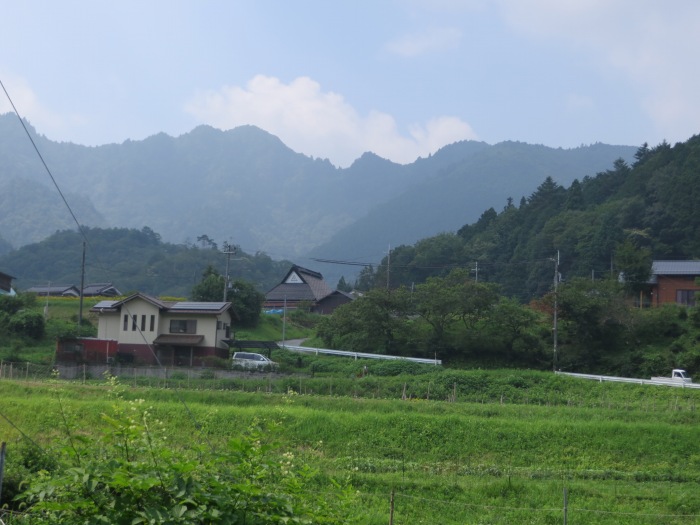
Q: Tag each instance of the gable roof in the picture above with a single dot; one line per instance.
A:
(100, 289)
(686, 268)
(55, 289)
(300, 284)
(174, 307)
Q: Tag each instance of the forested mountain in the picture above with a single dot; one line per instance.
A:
(134, 260)
(245, 186)
(599, 225)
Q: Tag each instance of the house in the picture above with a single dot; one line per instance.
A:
(674, 282)
(302, 286)
(70, 290)
(55, 290)
(144, 330)
(6, 284)
(330, 302)
(100, 290)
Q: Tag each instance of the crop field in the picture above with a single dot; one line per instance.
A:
(553, 450)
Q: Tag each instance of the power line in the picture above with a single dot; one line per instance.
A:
(46, 167)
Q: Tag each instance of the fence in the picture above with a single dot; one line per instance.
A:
(33, 372)
(664, 382)
(360, 355)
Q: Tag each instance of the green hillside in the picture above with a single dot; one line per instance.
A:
(648, 208)
(133, 260)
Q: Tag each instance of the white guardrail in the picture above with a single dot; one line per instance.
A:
(359, 355)
(663, 382)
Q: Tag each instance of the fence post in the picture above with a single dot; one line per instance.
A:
(391, 508)
(566, 506)
(2, 467)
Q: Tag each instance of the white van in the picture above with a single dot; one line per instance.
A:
(251, 360)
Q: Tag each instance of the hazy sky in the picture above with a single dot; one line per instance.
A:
(335, 78)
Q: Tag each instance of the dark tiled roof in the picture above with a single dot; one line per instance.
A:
(291, 292)
(100, 289)
(55, 289)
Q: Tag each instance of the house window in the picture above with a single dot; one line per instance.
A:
(133, 323)
(685, 297)
(143, 322)
(183, 326)
(126, 322)
(153, 322)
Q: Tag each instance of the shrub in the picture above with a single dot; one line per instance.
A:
(130, 475)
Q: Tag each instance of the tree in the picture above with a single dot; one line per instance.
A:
(343, 286)
(376, 322)
(594, 321)
(210, 288)
(518, 329)
(365, 281)
(247, 303)
(206, 242)
(437, 302)
(634, 264)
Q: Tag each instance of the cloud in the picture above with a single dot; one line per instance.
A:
(25, 100)
(321, 124)
(647, 43)
(432, 40)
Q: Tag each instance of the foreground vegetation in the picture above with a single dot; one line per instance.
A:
(623, 453)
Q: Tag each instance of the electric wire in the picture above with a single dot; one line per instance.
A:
(87, 242)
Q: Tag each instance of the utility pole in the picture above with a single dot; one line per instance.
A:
(556, 312)
(476, 271)
(82, 287)
(388, 267)
(229, 250)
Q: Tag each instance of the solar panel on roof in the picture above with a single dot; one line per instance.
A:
(105, 304)
(184, 305)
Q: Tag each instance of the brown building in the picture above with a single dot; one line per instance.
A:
(674, 282)
(6, 284)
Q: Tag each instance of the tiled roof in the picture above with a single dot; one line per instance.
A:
(100, 289)
(313, 288)
(291, 292)
(54, 289)
(675, 268)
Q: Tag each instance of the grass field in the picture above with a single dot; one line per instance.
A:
(621, 453)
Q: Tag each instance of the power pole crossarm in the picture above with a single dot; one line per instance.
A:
(228, 252)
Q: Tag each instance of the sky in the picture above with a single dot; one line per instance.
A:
(336, 78)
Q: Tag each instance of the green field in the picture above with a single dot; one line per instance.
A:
(505, 451)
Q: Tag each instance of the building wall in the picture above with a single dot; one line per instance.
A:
(168, 355)
(141, 333)
(667, 286)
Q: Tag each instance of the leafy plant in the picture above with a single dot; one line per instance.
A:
(129, 474)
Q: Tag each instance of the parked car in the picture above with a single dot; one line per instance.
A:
(251, 360)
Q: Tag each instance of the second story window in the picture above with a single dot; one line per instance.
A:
(183, 326)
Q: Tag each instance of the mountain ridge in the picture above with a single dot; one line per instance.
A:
(247, 187)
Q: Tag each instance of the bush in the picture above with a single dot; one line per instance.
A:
(28, 323)
(130, 474)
